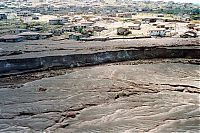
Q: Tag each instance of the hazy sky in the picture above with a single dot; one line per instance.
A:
(187, 1)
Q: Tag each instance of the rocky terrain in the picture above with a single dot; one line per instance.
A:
(159, 97)
(40, 48)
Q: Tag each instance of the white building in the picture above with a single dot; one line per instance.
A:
(159, 32)
(110, 2)
(24, 13)
(30, 35)
(134, 27)
(86, 23)
(58, 21)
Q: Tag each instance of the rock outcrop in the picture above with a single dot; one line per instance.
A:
(161, 97)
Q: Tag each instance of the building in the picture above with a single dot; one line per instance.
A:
(124, 15)
(149, 20)
(35, 18)
(77, 18)
(66, 18)
(197, 28)
(58, 21)
(11, 38)
(86, 23)
(158, 32)
(160, 15)
(37, 28)
(30, 35)
(110, 2)
(134, 27)
(24, 13)
(79, 27)
(160, 26)
(191, 26)
(123, 31)
(98, 28)
(45, 35)
(189, 34)
(76, 36)
(17, 31)
(69, 29)
(3, 16)
(57, 32)
(88, 32)
(13, 31)
(170, 26)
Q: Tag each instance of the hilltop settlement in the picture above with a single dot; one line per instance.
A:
(99, 20)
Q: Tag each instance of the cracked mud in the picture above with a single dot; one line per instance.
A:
(115, 98)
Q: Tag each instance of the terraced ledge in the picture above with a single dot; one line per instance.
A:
(23, 65)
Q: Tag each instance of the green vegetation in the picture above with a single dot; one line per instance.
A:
(173, 11)
(195, 17)
(7, 25)
(194, 13)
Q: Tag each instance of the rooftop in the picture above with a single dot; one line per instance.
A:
(158, 29)
(7, 37)
(28, 33)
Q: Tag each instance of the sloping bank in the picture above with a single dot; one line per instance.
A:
(21, 65)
